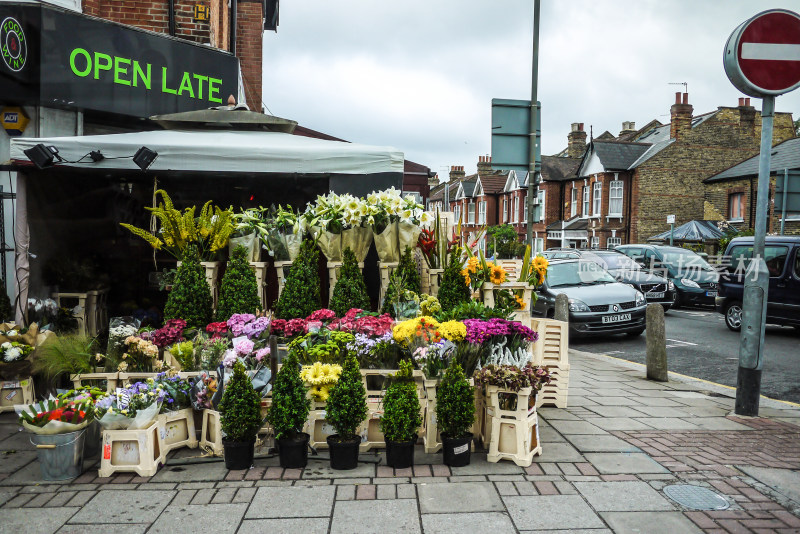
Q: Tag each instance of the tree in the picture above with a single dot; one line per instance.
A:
(797, 127)
(454, 289)
(503, 240)
(239, 290)
(455, 403)
(190, 298)
(350, 290)
(401, 418)
(300, 296)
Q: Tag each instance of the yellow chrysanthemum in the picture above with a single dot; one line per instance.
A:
(497, 275)
(453, 330)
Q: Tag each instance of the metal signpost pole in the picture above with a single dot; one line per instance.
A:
(785, 190)
(751, 348)
(671, 231)
(534, 164)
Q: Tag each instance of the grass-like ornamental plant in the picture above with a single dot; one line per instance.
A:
(290, 405)
(347, 404)
(401, 418)
(239, 290)
(350, 291)
(300, 296)
(240, 409)
(455, 403)
(190, 298)
(66, 355)
(406, 278)
(454, 289)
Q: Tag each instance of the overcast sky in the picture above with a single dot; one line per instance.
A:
(420, 75)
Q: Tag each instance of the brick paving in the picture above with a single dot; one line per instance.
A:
(589, 477)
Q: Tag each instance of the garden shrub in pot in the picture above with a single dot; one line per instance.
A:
(239, 290)
(346, 410)
(455, 413)
(190, 298)
(288, 414)
(301, 296)
(401, 418)
(240, 419)
(350, 291)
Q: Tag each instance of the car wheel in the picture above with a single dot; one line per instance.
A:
(733, 316)
(551, 313)
(635, 333)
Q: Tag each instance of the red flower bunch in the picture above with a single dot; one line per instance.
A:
(217, 330)
(278, 326)
(61, 410)
(324, 315)
(294, 327)
(357, 321)
(168, 334)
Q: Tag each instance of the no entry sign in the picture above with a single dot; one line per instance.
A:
(762, 55)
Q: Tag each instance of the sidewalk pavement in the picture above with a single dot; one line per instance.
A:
(605, 463)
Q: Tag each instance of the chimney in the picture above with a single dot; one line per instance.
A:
(484, 164)
(433, 181)
(576, 141)
(747, 117)
(457, 172)
(680, 117)
(627, 127)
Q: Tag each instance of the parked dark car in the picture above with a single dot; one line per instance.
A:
(656, 289)
(782, 256)
(598, 304)
(694, 279)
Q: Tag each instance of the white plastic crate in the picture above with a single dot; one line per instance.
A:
(126, 451)
(516, 440)
(176, 430)
(15, 392)
(556, 392)
(552, 347)
(211, 433)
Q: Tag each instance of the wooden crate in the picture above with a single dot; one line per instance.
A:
(16, 392)
(211, 433)
(516, 440)
(176, 430)
(552, 347)
(131, 451)
(112, 380)
(260, 269)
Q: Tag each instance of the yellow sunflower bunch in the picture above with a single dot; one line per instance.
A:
(320, 377)
(497, 275)
(520, 302)
(539, 265)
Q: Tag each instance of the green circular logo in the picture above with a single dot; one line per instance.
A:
(13, 45)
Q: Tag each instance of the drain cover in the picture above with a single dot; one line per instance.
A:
(696, 497)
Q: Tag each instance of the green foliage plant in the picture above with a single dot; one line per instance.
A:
(239, 290)
(190, 298)
(350, 291)
(290, 404)
(301, 296)
(502, 241)
(404, 278)
(240, 409)
(347, 404)
(455, 403)
(472, 309)
(66, 355)
(454, 289)
(401, 411)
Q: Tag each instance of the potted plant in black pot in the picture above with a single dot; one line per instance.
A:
(240, 419)
(401, 418)
(346, 409)
(288, 414)
(455, 412)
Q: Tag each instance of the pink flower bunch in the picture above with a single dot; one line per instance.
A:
(480, 331)
(262, 353)
(325, 315)
(244, 347)
(168, 334)
(238, 321)
(356, 322)
(294, 327)
(313, 326)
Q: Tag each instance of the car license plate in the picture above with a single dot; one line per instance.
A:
(711, 293)
(616, 318)
(659, 295)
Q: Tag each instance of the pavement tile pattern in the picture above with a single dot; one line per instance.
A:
(606, 459)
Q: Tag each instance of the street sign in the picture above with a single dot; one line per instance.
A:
(762, 55)
(792, 192)
(670, 219)
(511, 134)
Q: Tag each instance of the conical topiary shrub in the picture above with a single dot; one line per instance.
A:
(240, 409)
(290, 404)
(347, 404)
(401, 417)
(300, 295)
(454, 289)
(350, 291)
(239, 290)
(406, 275)
(190, 298)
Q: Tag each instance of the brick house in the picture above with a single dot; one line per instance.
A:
(730, 196)
(252, 17)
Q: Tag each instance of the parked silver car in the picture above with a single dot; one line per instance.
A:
(598, 304)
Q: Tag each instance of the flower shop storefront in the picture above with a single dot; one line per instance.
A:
(69, 237)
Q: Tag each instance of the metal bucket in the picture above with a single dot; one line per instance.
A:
(60, 455)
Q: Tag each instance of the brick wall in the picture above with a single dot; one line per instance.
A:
(249, 32)
(718, 195)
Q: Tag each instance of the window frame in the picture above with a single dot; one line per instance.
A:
(586, 203)
(617, 185)
(597, 199)
(471, 213)
(613, 242)
(739, 195)
(594, 242)
(573, 207)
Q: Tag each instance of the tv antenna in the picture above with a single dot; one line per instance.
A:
(684, 84)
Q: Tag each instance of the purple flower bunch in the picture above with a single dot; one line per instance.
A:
(255, 328)
(238, 321)
(480, 331)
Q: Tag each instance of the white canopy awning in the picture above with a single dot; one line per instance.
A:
(221, 151)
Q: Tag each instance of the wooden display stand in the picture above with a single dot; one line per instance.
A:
(211, 433)
(15, 392)
(81, 312)
(515, 439)
(386, 270)
(176, 430)
(126, 379)
(280, 270)
(126, 451)
(97, 314)
(260, 268)
(520, 315)
(112, 380)
(435, 280)
(212, 269)
(431, 439)
(318, 428)
(552, 351)
(334, 267)
(370, 430)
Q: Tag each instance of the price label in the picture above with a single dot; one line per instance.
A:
(107, 451)
(461, 450)
(12, 394)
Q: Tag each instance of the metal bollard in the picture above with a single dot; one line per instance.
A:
(562, 308)
(656, 344)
